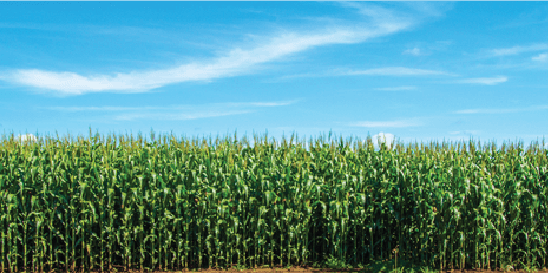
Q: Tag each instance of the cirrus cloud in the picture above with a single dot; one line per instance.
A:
(396, 71)
(376, 22)
(385, 124)
(515, 50)
(414, 52)
(484, 80)
(542, 58)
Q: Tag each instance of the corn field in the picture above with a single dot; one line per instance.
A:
(99, 202)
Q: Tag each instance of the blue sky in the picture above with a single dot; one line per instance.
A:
(419, 71)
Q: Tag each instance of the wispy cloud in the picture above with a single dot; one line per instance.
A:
(377, 22)
(426, 48)
(434, 9)
(251, 10)
(397, 88)
(515, 50)
(414, 52)
(395, 71)
(388, 71)
(500, 111)
(235, 62)
(385, 124)
(468, 132)
(381, 16)
(176, 112)
(178, 116)
(155, 35)
(542, 58)
(407, 12)
(105, 108)
(33, 26)
(484, 80)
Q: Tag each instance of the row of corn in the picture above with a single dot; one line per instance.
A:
(97, 203)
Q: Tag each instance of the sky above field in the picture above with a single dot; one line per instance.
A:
(415, 71)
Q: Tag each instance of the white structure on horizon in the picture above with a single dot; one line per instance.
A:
(27, 137)
(380, 138)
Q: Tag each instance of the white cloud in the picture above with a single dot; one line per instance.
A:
(397, 88)
(177, 112)
(179, 116)
(176, 107)
(485, 111)
(106, 108)
(387, 71)
(435, 9)
(236, 61)
(467, 132)
(540, 58)
(485, 80)
(423, 49)
(519, 49)
(500, 111)
(215, 105)
(381, 16)
(272, 104)
(395, 71)
(385, 124)
(414, 52)
(405, 12)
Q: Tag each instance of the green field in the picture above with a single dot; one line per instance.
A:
(173, 204)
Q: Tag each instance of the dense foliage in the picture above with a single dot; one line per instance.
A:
(176, 204)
